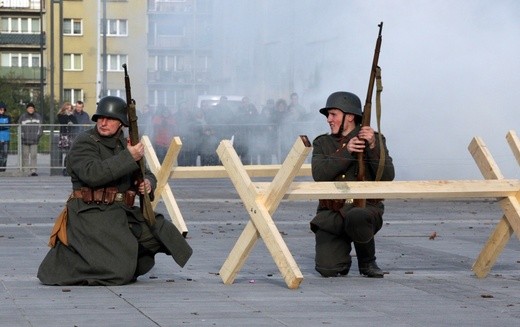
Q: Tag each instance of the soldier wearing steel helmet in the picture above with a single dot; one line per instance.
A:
(108, 240)
(339, 223)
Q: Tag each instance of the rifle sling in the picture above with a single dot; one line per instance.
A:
(382, 155)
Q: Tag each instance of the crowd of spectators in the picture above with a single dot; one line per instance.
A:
(259, 135)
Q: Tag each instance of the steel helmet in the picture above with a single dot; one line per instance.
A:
(113, 107)
(347, 102)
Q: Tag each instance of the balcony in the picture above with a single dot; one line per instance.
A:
(22, 73)
(32, 5)
(19, 39)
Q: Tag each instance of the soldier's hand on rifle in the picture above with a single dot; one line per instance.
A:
(137, 150)
(145, 186)
(365, 136)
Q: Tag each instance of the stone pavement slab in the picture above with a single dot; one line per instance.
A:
(428, 282)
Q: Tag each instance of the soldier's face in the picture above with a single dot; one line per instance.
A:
(334, 119)
(107, 126)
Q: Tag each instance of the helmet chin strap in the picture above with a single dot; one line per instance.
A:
(341, 128)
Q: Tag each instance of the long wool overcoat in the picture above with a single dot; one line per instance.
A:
(103, 249)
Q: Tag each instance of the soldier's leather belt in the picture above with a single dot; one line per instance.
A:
(105, 195)
(334, 204)
(337, 204)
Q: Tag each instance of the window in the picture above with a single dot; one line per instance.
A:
(73, 95)
(201, 63)
(115, 62)
(161, 97)
(72, 26)
(12, 59)
(117, 93)
(72, 61)
(20, 25)
(117, 27)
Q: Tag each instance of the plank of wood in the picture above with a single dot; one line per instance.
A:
(514, 144)
(495, 244)
(442, 189)
(163, 190)
(182, 172)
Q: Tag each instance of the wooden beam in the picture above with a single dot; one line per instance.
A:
(514, 144)
(495, 244)
(447, 189)
(168, 163)
(162, 173)
(182, 172)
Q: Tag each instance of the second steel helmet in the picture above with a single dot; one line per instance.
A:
(113, 107)
(347, 102)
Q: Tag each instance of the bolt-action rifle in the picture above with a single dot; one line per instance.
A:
(133, 131)
(367, 111)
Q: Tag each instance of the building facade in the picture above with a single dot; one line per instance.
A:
(89, 43)
(23, 43)
(179, 51)
(74, 49)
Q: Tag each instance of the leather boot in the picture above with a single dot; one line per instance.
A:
(371, 270)
(367, 259)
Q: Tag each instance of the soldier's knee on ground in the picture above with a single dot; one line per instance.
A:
(359, 225)
(332, 254)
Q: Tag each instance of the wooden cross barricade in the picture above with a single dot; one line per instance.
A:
(260, 207)
(510, 221)
(169, 170)
(261, 199)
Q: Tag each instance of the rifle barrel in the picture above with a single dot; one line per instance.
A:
(367, 111)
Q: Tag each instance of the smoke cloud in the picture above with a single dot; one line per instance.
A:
(449, 70)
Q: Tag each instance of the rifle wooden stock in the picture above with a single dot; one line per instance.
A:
(133, 131)
(367, 112)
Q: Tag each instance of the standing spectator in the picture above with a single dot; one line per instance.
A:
(82, 117)
(295, 107)
(245, 133)
(267, 133)
(164, 129)
(5, 135)
(31, 133)
(300, 119)
(188, 133)
(144, 120)
(208, 147)
(284, 118)
(66, 119)
(220, 117)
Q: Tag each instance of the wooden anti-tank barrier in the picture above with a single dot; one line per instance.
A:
(262, 199)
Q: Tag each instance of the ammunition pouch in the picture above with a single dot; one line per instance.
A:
(105, 195)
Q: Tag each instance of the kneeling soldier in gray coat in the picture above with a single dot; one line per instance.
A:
(108, 240)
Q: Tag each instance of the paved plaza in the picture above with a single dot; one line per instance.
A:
(428, 279)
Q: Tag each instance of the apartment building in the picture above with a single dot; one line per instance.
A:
(22, 43)
(85, 60)
(179, 50)
(61, 48)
